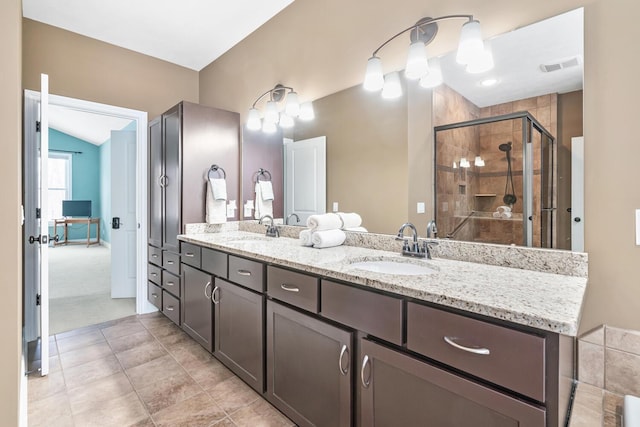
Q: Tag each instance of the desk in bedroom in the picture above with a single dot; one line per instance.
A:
(66, 221)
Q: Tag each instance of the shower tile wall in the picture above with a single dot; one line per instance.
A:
(451, 107)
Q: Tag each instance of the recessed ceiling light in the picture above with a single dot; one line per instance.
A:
(489, 82)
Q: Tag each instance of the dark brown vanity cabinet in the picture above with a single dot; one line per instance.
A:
(239, 338)
(395, 389)
(309, 368)
(197, 308)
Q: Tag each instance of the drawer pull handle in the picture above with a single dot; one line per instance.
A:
(244, 272)
(213, 295)
(170, 262)
(205, 290)
(154, 274)
(344, 351)
(170, 284)
(169, 308)
(289, 288)
(479, 350)
(365, 362)
(154, 255)
(189, 254)
(154, 295)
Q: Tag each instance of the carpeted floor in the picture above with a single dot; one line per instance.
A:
(80, 288)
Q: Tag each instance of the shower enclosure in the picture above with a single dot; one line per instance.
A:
(495, 181)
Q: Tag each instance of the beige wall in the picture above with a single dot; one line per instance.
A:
(84, 68)
(10, 176)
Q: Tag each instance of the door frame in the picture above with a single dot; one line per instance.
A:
(141, 118)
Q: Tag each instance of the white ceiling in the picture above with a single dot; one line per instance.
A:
(191, 33)
(90, 127)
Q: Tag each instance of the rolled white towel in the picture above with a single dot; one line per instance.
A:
(360, 229)
(497, 214)
(503, 209)
(267, 190)
(322, 222)
(350, 220)
(328, 238)
(216, 210)
(218, 188)
(305, 238)
(506, 215)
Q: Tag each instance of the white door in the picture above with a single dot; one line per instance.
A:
(577, 194)
(123, 207)
(305, 177)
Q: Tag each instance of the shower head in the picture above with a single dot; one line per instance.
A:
(505, 147)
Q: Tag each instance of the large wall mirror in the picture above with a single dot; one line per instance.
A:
(372, 167)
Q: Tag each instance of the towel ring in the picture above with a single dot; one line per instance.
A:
(264, 173)
(218, 169)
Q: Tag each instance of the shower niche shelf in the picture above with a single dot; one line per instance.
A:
(485, 195)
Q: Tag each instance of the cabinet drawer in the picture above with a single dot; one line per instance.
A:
(294, 288)
(246, 273)
(153, 273)
(171, 307)
(171, 283)
(155, 255)
(375, 314)
(154, 294)
(501, 355)
(171, 262)
(214, 262)
(190, 254)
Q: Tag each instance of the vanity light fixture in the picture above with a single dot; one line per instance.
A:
(464, 163)
(282, 108)
(478, 162)
(472, 53)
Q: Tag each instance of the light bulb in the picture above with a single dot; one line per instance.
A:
(306, 111)
(434, 78)
(286, 121)
(392, 87)
(373, 78)
(271, 114)
(292, 105)
(417, 64)
(471, 45)
(253, 119)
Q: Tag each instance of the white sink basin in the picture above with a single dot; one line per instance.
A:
(397, 267)
(250, 239)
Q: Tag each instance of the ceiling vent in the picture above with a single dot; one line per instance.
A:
(574, 61)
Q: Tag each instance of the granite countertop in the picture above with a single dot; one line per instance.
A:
(541, 300)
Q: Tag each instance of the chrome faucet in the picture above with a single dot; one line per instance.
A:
(432, 229)
(413, 250)
(272, 230)
(289, 217)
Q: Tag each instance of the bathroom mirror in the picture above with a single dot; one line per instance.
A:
(381, 154)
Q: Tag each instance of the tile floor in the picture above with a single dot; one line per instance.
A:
(141, 371)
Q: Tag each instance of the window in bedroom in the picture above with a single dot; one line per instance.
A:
(59, 182)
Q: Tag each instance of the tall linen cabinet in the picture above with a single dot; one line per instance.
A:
(183, 145)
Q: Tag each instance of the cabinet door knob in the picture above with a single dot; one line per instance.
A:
(365, 362)
(475, 350)
(344, 351)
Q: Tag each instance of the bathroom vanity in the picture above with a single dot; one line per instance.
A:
(331, 342)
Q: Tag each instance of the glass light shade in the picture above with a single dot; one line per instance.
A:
(455, 166)
(306, 111)
(434, 78)
(286, 121)
(253, 119)
(478, 161)
(464, 163)
(417, 63)
(292, 105)
(373, 78)
(269, 127)
(471, 45)
(392, 87)
(271, 114)
(483, 62)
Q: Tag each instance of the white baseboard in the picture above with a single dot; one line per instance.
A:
(105, 244)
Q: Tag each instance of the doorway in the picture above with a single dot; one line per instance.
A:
(82, 241)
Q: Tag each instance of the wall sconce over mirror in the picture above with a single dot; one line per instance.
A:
(473, 53)
(282, 109)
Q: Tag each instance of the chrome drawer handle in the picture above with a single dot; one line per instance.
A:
(170, 284)
(189, 254)
(289, 288)
(154, 295)
(154, 274)
(365, 362)
(169, 308)
(213, 295)
(170, 262)
(342, 353)
(479, 350)
(154, 255)
(205, 290)
(244, 272)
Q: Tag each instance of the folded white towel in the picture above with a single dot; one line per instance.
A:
(503, 209)
(328, 238)
(496, 214)
(350, 220)
(360, 229)
(305, 238)
(267, 190)
(262, 207)
(322, 222)
(216, 210)
(506, 215)
(218, 188)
